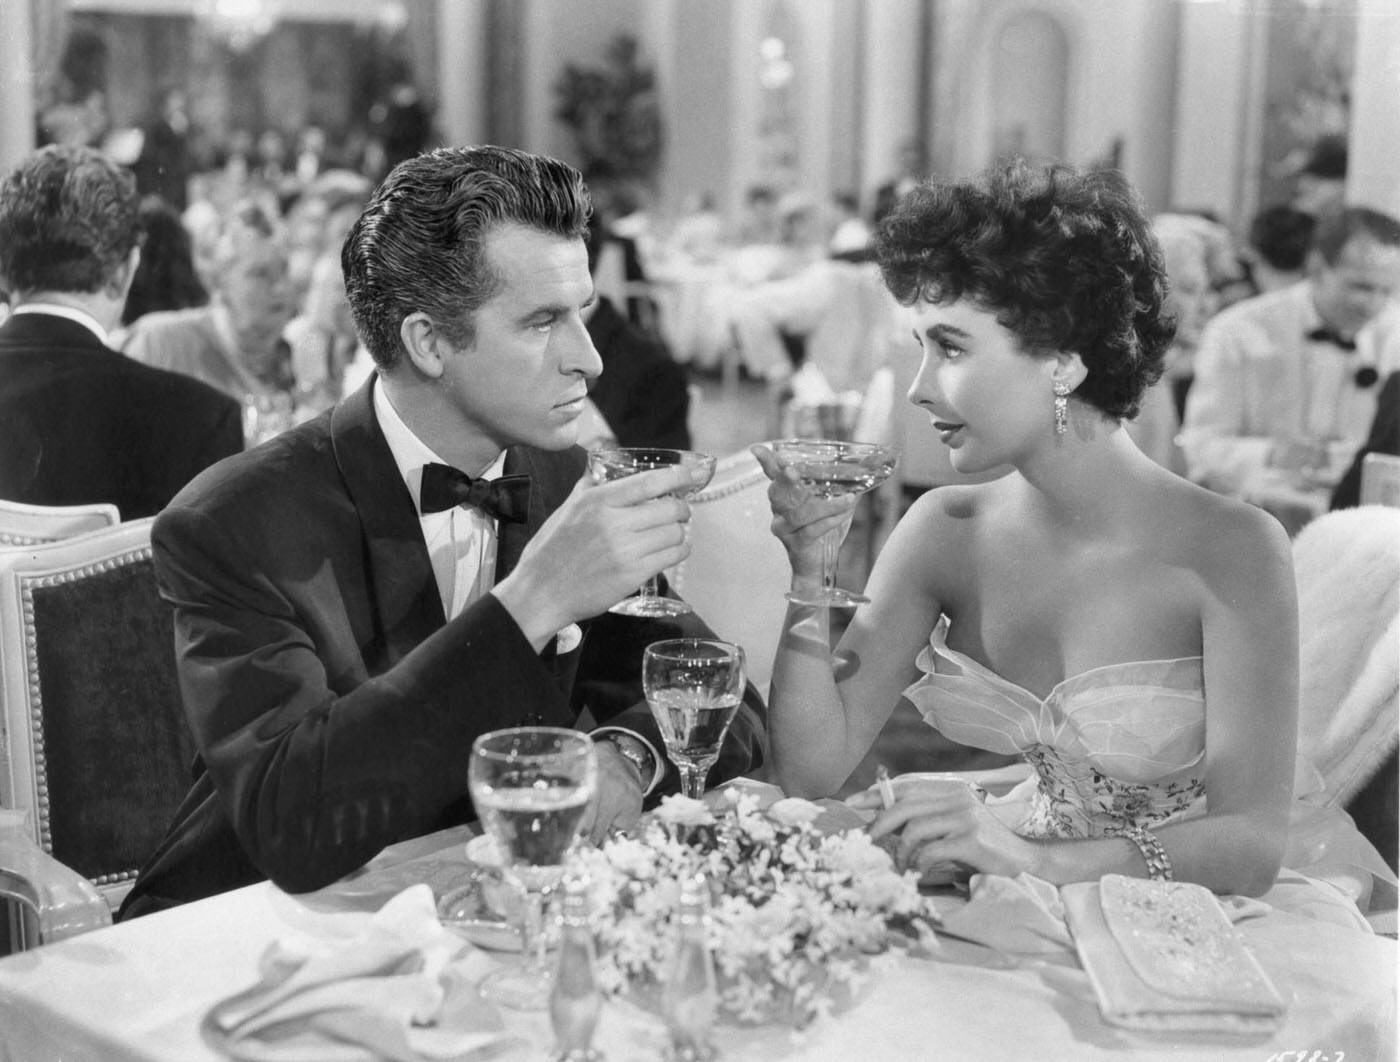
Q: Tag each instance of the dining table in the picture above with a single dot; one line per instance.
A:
(139, 991)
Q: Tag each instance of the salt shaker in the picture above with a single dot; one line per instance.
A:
(575, 1000)
(689, 1000)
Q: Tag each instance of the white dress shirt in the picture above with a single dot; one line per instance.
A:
(461, 540)
(1258, 378)
(74, 314)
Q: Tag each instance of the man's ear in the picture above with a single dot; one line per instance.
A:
(426, 347)
(1068, 368)
(120, 283)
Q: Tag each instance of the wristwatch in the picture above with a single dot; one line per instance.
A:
(635, 752)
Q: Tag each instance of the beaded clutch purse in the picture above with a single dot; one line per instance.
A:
(1164, 955)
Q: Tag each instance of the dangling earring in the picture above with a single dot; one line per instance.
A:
(1061, 407)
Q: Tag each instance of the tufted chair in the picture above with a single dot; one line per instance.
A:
(94, 752)
(29, 525)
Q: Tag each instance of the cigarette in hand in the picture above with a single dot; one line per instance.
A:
(882, 783)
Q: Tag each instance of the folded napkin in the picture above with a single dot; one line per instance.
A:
(1163, 955)
(402, 988)
(1019, 916)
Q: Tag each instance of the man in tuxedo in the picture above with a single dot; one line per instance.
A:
(1287, 379)
(361, 597)
(80, 423)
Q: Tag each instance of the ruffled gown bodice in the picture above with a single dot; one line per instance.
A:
(1118, 746)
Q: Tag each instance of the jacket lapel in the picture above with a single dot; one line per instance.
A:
(406, 605)
(552, 477)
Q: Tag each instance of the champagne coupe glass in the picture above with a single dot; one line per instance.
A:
(616, 462)
(531, 787)
(694, 686)
(830, 468)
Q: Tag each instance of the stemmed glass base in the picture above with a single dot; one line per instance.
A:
(647, 605)
(833, 598)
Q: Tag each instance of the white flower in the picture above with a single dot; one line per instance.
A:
(794, 915)
(793, 811)
(684, 811)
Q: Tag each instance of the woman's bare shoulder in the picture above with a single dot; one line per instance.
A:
(955, 504)
(1229, 543)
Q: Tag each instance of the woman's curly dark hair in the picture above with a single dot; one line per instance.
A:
(1066, 260)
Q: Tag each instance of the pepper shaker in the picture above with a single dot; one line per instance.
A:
(689, 999)
(575, 1000)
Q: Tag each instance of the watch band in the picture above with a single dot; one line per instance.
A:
(636, 752)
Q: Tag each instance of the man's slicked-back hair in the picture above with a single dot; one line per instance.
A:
(1338, 226)
(1065, 259)
(420, 245)
(69, 217)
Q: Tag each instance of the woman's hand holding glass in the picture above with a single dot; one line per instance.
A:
(810, 522)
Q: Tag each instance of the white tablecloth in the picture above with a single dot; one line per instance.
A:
(138, 991)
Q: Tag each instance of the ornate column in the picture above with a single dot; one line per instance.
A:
(1219, 107)
(16, 83)
(1373, 162)
(893, 87)
(462, 29)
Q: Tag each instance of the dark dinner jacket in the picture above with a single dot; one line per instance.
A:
(332, 704)
(81, 423)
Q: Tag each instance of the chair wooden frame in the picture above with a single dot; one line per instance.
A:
(1380, 479)
(30, 525)
(64, 900)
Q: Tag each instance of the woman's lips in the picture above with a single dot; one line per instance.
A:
(947, 431)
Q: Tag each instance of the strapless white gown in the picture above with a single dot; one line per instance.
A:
(1124, 745)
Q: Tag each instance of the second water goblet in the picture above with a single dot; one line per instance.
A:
(619, 461)
(694, 687)
(531, 787)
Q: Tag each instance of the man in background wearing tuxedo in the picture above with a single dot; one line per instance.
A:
(1288, 380)
(361, 597)
(80, 423)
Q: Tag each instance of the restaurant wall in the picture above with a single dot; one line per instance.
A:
(1119, 68)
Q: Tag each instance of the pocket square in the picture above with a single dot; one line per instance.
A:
(567, 640)
(402, 989)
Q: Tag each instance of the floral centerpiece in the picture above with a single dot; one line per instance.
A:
(795, 914)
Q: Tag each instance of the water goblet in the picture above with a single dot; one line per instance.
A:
(616, 462)
(693, 686)
(830, 468)
(531, 787)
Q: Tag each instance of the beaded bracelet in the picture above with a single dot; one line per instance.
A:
(1159, 867)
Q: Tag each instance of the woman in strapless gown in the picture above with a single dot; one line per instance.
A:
(1131, 635)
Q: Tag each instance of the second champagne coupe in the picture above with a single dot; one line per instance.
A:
(829, 469)
(531, 787)
(694, 687)
(622, 461)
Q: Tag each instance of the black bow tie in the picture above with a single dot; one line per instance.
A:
(1328, 335)
(506, 498)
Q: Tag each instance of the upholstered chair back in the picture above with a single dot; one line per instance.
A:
(95, 744)
(29, 525)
